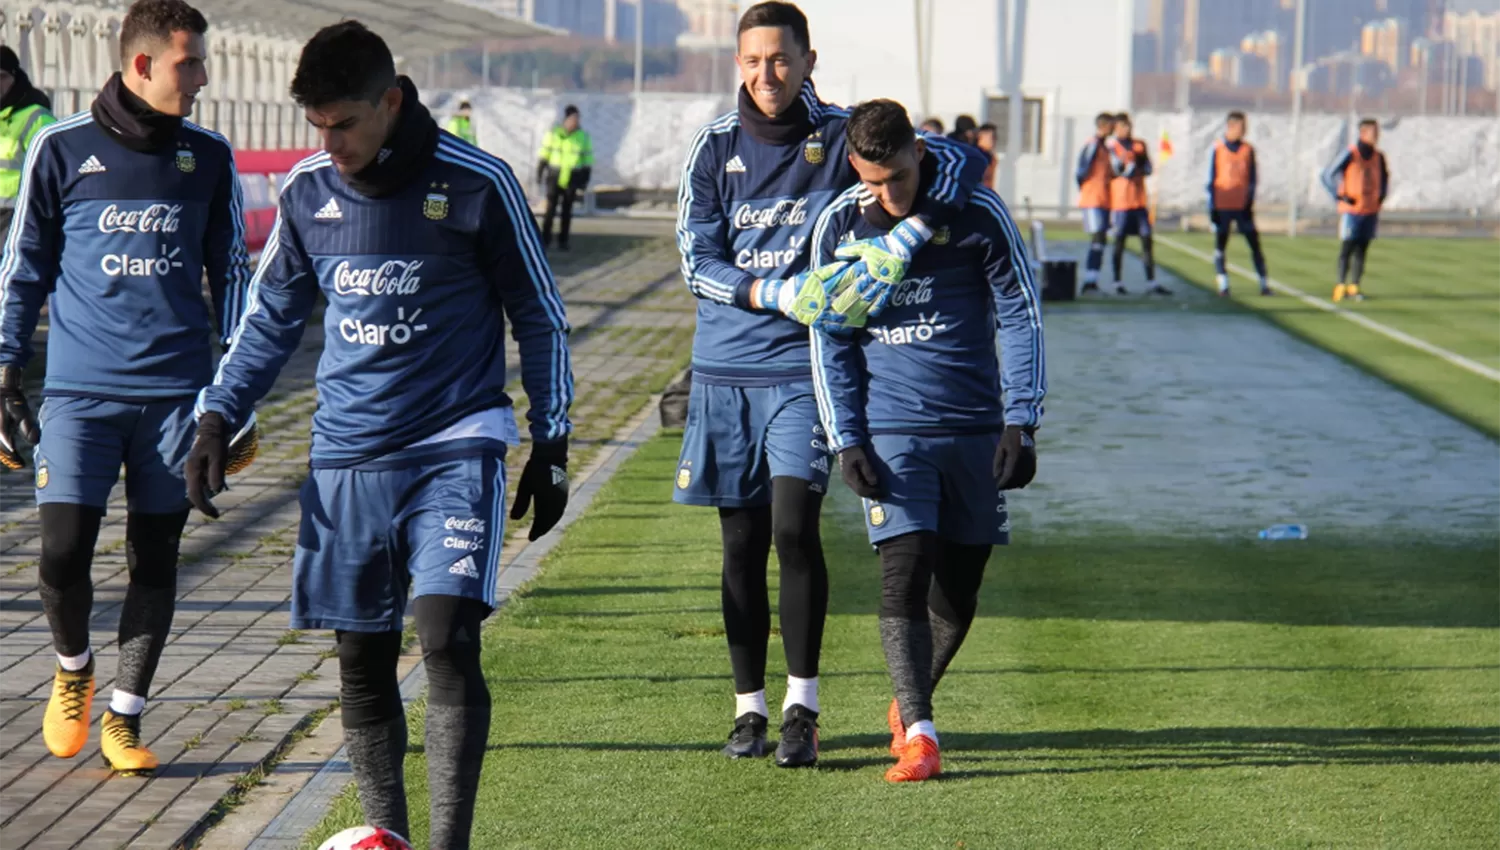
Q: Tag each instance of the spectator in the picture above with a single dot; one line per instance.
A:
(984, 138)
(963, 129)
(933, 125)
(462, 123)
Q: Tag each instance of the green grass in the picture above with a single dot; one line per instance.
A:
(1113, 693)
(1443, 291)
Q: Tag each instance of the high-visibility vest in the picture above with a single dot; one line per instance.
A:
(563, 152)
(1231, 176)
(1129, 193)
(462, 127)
(1362, 181)
(1094, 193)
(17, 128)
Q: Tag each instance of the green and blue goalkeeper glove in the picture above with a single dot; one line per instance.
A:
(804, 297)
(879, 266)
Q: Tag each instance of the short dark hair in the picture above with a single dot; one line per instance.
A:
(878, 130)
(1368, 122)
(343, 61)
(988, 127)
(1235, 116)
(464, 104)
(570, 110)
(774, 13)
(1122, 118)
(1104, 118)
(156, 20)
(963, 123)
(934, 121)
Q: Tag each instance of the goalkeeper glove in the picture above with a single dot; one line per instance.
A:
(1015, 458)
(803, 297)
(15, 419)
(859, 473)
(880, 265)
(545, 478)
(215, 455)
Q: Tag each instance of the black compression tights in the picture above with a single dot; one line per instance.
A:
(1352, 259)
(791, 521)
(1147, 257)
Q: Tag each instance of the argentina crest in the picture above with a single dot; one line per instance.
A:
(813, 150)
(186, 162)
(435, 206)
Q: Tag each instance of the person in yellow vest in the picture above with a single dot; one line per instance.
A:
(1231, 198)
(462, 123)
(24, 111)
(566, 163)
(1358, 179)
(1130, 162)
(1094, 175)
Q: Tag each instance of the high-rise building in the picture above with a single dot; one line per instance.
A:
(1165, 20)
(1271, 48)
(1476, 36)
(1387, 41)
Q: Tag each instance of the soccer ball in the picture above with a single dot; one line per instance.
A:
(365, 838)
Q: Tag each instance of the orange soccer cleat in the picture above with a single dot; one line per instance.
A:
(898, 729)
(120, 745)
(919, 760)
(65, 726)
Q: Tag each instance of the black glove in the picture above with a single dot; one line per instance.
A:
(15, 418)
(206, 462)
(859, 473)
(1250, 210)
(1349, 199)
(1015, 458)
(541, 171)
(545, 478)
(581, 177)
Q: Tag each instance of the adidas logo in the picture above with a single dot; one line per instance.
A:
(92, 165)
(465, 568)
(559, 477)
(329, 211)
(735, 166)
(821, 464)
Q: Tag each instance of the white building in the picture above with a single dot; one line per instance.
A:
(949, 57)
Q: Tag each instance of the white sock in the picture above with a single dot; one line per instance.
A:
(1224, 282)
(1090, 275)
(126, 703)
(922, 727)
(1264, 284)
(76, 662)
(751, 704)
(803, 692)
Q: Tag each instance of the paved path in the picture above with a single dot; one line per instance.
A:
(235, 686)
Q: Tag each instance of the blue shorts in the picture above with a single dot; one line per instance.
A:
(738, 438)
(86, 440)
(1241, 219)
(1353, 226)
(1095, 220)
(370, 536)
(941, 484)
(1130, 223)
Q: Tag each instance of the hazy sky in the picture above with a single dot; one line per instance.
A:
(1143, 8)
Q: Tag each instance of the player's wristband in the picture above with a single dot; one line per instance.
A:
(909, 236)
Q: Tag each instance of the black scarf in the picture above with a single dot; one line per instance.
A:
(788, 128)
(876, 215)
(23, 94)
(1365, 150)
(409, 148)
(131, 121)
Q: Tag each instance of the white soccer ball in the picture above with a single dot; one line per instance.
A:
(365, 838)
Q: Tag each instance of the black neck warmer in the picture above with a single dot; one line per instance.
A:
(409, 148)
(788, 128)
(131, 121)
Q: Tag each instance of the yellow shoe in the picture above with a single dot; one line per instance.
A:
(65, 727)
(120, 744)
(1353, 293)
(1338, 292)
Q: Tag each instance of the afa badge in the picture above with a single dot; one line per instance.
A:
(41, 477)
(684, 478)
(813, 150)
(186, 162)
(942, 236)
(435, 206)
(877, 515)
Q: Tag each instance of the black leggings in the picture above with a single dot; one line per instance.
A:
(448, 627)
(1118, 259)
(791, 521)
(1352, 259)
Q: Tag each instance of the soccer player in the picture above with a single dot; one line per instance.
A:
(422, 246)
(1358, 180)
(1231, 198)
(121, 211)
(754, 182)
(928, 426)
(1094, 174)
(1130, 162)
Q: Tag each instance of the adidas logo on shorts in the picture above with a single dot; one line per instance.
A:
(465, 568)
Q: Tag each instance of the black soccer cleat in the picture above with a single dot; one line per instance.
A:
(748, 740)
(799, 738)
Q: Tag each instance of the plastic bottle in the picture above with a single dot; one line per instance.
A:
(1284, 531)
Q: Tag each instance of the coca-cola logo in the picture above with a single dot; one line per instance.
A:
(471, 524)
(156, 218)
(392, 277)
(913, 290)
(783, 213)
